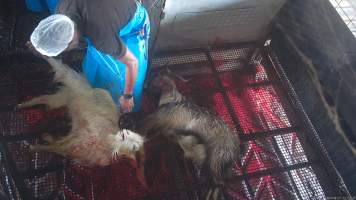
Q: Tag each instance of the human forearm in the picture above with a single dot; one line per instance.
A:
(131, 75)
(131, 71)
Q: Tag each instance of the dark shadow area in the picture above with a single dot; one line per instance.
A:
(318, 52)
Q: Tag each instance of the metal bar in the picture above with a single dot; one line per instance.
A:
(272, 171)
(307, 125)
(262, 173)
(202, 49)
(252, 85)
(221, 89)
(284, 163)
(280, 131)
(228, 105)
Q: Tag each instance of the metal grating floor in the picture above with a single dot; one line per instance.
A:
(281, 153)
(282, 157)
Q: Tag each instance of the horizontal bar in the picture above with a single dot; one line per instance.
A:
(247, 86)
(210, 48)
(272, 171)
(256, 135)
(257, 174)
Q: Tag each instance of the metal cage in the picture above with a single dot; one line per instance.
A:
(282, 155)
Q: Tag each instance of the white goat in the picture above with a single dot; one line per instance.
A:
(95, 137)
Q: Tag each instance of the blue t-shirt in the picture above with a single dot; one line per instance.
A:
(100, 20)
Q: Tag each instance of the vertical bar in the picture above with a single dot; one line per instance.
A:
(280, 155)
(228, 105)
(309, 128)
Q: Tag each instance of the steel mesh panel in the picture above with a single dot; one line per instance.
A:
(230, 80)
(192, 69)
(259, 155)
(45, 186)
(263, 155)
(18, 82)
(228, 65)
(222, 110)
(249, 75)
(291, 148)
(10, 98)
(230, 54)
(307, 183)
(14, 123)
(28, 161)
(256, 102)
(29, 87)
(20, 157)
(277, 186)
(179, 59)
(7, 185)
(7, 90)
(258, 109)
(5, 32)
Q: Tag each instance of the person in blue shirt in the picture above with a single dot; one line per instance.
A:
(117, 33)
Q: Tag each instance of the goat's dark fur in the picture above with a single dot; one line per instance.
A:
(204, 137)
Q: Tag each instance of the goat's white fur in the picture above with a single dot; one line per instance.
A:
(95, 137)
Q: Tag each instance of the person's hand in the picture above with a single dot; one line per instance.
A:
(126, 105)
(34, 51)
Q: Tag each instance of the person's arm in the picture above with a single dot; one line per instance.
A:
(131, 63)
(106, 39)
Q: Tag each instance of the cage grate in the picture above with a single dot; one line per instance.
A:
(183, 59)
(45, 186)
(278, 161)
(230, 54)
(15, 123)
